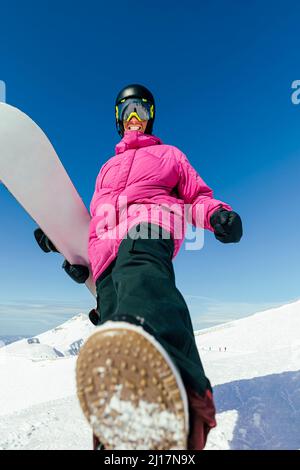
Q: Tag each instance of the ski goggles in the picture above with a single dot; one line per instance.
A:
(142, 109)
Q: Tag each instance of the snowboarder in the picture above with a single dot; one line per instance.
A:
(141, 383)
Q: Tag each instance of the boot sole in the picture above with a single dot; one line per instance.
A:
(130, 391)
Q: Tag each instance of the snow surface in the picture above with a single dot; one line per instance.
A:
(252, 363)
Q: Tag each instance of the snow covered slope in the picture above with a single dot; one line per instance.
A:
(254, 367)
(264, 343)
(253, 364)
(38, 407)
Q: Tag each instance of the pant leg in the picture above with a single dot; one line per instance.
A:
(107, 300)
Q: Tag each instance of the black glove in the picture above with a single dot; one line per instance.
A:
(227, 226)
(44, 242)
(77, 272)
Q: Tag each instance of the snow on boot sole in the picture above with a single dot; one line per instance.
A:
(130, 391)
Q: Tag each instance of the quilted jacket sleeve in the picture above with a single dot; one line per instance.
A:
(195, 192)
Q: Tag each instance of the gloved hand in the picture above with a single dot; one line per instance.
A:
(227, 226)
(77, 272)
(44, 242)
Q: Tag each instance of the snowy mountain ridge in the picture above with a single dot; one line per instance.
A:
(62, 341)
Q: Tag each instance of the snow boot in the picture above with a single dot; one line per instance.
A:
(130, 391)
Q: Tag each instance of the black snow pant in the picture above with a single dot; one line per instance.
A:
(139, 287)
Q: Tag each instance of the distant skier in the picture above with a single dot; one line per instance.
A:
(134, 372)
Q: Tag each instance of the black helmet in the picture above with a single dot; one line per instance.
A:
(135, 91)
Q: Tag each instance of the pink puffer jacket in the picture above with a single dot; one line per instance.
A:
(146, 181)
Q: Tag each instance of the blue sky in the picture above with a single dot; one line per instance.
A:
(221, 73)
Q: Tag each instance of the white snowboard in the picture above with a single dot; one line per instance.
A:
(33, 173)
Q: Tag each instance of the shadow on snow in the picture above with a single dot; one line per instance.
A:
(268, 411)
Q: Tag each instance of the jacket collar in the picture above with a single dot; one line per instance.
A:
(135, 140)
